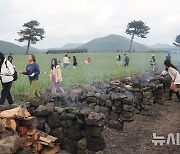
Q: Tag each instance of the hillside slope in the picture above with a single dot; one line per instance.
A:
(71, 45)
(113, 43)
(7, 47)
(35, 50)
(162, 46)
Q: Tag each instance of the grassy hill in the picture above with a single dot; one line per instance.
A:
(35, 50)
(71, 45)
(164, 47)
(161, 46)
(7, 47)
(112, 43)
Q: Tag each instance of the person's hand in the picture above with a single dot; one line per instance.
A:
(20, 72)
(32, 74)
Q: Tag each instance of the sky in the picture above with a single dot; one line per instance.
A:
(79, 21)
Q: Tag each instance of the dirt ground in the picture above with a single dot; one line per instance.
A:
(136, 138)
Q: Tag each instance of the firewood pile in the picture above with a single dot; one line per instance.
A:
(18, 134)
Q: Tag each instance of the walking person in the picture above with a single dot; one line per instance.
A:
(153, 62)
(168, 57)
(75, 62)
(32, 71)
(66, 61)
(55, 76)
(173, 72)
(10, 58)
(7, 70)
(118, 60)
(126, 60)
(88, 61)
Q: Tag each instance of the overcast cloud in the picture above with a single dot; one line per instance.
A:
(79, 21)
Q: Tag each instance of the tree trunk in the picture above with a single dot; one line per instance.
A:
(131, 42)
(28, 46)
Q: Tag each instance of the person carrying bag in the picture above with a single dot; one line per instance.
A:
(7, 77)
(173, 72)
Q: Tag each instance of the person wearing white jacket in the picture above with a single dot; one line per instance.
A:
(6, 75)
(173, 72)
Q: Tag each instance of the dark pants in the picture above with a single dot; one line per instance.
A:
(126, 64)
(65, 66)
(5, 93)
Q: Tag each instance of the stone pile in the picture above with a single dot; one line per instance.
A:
(78, 131)
(18, 134)
(77, 118)
(119, 100)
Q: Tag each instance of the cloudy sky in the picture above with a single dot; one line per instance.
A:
(79, 21)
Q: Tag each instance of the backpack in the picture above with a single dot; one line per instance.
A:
(15, 75)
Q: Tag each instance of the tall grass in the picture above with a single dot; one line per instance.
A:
(103, 67)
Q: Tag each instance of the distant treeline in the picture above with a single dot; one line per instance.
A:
(67, 51)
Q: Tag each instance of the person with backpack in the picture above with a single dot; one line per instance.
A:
(10, 58)
(126, 60)
(32, 71)
(7, 72)
(55, 76)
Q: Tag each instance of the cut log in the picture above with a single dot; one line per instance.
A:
(31, 131)
(29, 121)
(52, 138)
(36, 136)
(2, 128)
(47, 144)
(20, 121)
(51, 151)
(37, 147)
(9, 123)
(44, 143)
(27, 141)
(45, 139)
(18, 112)
(22, 130)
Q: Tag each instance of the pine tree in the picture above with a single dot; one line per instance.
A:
(137, 28)
(177, 41)
(31, 33)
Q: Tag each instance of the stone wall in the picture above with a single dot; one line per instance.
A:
(77, 118)
(78, 131)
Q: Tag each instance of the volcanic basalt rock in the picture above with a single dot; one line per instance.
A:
(77, 118)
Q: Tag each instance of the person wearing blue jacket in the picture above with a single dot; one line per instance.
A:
(168, 57)
(126, 60)
(32, 71)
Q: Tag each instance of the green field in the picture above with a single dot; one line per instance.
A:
(103, 67)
